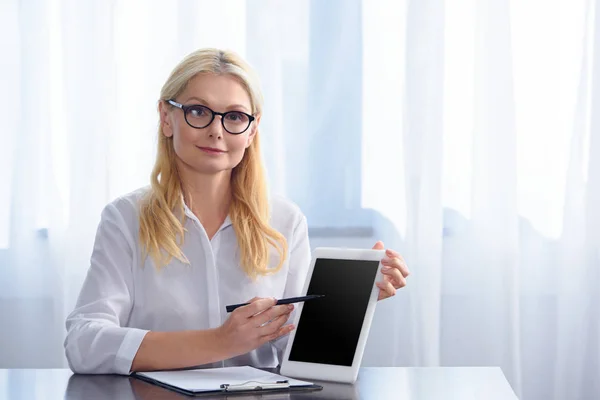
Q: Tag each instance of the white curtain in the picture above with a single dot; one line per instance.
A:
(465, 134)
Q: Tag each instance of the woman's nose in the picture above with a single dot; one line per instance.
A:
(215, 129)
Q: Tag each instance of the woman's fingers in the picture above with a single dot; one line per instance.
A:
(398, 263)
(386, 289)
(284, 330)
(256, 306)
(394, 276)
(274, 325)
(271, 314)
(393, 254)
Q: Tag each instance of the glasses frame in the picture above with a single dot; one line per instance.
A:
(186, 108)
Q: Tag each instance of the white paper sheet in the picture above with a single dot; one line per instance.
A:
(202, 380)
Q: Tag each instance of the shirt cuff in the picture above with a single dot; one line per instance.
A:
(128, 349)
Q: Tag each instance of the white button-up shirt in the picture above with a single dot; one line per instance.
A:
(123, 296)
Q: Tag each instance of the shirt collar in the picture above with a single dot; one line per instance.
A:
(191, 215)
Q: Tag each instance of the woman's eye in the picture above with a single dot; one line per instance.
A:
(197, 112)
(236, 117)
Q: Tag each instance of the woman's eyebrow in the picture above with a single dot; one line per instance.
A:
(198, 99)
(206, 103)
(238, 106)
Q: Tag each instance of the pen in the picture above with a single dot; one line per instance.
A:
(280, 301)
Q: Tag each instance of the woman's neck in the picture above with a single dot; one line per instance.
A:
(208, 197)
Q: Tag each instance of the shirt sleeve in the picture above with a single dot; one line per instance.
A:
(298, 269)
(96, 341)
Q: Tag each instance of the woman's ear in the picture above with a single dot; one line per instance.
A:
(253, 131)
(165, 119)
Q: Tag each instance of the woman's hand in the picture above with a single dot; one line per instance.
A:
(251, 326)
(394, 272)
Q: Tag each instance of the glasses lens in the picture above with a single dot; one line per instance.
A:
(198, 116)
(236, 122)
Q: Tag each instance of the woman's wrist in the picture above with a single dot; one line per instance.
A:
(218, 342)
(180, 349)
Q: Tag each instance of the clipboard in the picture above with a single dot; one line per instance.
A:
(204, 382)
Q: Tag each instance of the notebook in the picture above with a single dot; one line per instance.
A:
(198, 382)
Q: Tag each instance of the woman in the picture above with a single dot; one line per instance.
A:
(167, 259)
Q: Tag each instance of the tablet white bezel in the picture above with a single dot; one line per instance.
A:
(328, 372)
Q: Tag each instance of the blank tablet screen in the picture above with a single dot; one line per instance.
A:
(329, 327)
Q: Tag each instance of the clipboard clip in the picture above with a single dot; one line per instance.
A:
(255, 385)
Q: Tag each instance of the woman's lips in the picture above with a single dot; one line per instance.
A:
(211, 150)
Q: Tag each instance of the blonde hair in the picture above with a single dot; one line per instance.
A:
(162, 213)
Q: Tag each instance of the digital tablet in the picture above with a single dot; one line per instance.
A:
(331, 332)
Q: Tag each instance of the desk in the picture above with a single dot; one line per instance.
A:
(464, 383)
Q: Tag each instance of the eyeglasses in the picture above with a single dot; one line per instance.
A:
(199, 117)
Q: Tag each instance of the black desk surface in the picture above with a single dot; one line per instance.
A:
(462, 383)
